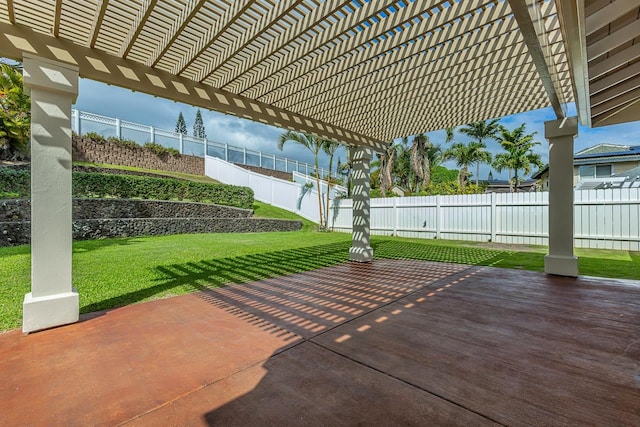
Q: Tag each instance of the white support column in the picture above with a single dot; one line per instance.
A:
(52, 300)
(361, 250)
(561, 260)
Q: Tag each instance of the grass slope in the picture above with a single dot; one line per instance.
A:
(160, 173)
(115, 272)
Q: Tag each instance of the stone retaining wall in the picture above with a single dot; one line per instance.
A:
(20, 209)
(107, 218)
(19, 233)
(87, 150)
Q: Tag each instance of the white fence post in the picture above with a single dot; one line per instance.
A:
(438, 217)
(494, 216)
(286, 165)
(260, 154)
(76, 122)
(395, 216)
(244, 155)
(181, 143)
(226, 152)
(118, 129)
(152, 132)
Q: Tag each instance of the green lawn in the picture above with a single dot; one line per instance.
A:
(115, 272)
(162, 173)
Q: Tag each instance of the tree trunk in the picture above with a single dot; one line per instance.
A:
(320, 223)
(326, 208)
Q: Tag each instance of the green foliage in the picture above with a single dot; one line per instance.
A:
(181, 125)
(160, 150)
(198, 126)
(16, 184)
(15, 114)
(451, 188)
(123, 142)
(518, 154)
(128, 186)
(441, 174)
(94, 136)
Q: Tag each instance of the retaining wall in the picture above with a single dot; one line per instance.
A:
(107, 218)
(87, 150)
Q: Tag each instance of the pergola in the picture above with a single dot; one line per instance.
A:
(359, 72)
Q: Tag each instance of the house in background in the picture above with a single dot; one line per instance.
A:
(604, 161)
(600, 166)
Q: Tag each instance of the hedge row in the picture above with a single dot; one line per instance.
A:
(17, 184)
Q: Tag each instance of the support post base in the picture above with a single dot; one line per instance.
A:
(561, 265)
(359, 254)
(49, 311)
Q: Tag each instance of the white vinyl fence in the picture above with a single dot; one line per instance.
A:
(277, 192)
(607, 219)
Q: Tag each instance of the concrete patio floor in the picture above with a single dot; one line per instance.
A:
(386, 343)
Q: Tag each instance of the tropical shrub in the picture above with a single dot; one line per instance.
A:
(94, 136)
(160, 150)
(15, 114)
(16, 184)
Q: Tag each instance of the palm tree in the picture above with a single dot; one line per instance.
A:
(501, 162)
(418, 164)
(433, 155)
(464, 156)
(313, 144)
(480, 131)
(519, 151)
(387, 165)
(424, 157)
(329, 147)
(450, 134)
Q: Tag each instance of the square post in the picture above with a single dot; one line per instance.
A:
(361, 250)
(53, 88)
(560, 134)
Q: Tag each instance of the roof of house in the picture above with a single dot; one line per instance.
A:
(541, 172)
(608, 151)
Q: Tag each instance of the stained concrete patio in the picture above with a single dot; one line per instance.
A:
(387, 343)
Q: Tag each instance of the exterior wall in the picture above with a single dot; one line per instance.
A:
(617, 167)
(624, 166)
(103, 218)
(87, 150)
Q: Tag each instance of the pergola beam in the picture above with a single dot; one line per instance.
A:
(572, 24)
(521, 13)
(99, 66)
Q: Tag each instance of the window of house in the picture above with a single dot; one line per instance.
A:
(595, 171)
(603, 171)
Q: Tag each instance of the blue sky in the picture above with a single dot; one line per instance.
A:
(140, 108)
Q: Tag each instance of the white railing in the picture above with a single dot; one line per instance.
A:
(277, 192)
(606, 219)
(84, 122)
